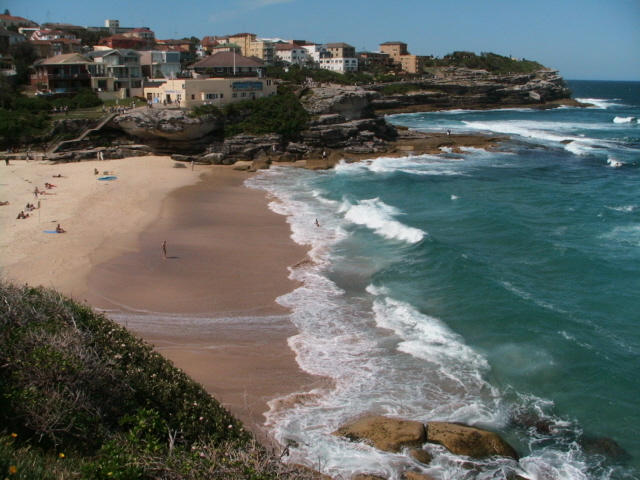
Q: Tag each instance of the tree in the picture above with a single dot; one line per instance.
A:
(24, 55)
(7, 12)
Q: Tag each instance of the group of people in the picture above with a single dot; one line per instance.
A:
(63, 109)
(29, 207)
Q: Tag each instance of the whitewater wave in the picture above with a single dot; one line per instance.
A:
(624, 119)
(601, 103)
(547, 132)
(414, 165)
(380, 217)
(614, 163)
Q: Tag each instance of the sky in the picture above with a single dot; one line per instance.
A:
(583, 39)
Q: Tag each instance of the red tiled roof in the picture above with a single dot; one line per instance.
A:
(15, 19)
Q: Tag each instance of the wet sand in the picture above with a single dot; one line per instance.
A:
(210, 305)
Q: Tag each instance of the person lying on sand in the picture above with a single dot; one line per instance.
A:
(57, 176)
(2, 204)
(22, 215)
(49, 185)
(95, 171)
(29, 207)
(59, 229)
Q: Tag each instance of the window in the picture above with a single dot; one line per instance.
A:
(234, 95)
(211, 96)
(193, 97)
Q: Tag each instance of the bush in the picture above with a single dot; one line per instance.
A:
(21, 126)
(80, 397)
(204, 110)
(281, 114)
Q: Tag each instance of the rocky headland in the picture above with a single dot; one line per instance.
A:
(345, 122)
(462, 88)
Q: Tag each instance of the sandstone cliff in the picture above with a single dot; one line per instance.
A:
(451, 87)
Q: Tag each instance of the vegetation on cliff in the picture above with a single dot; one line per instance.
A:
(23, 119)
(491, 62)
(80, 397)
(281, 114)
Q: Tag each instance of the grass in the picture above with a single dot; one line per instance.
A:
(80, 397)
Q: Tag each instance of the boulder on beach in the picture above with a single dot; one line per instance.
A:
(388, 434)
(469, 441)
(416, 476)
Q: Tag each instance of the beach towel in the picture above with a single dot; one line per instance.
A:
(49, 231)
(110, 177)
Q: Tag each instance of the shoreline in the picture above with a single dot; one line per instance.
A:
(210, 306)
(226, 265)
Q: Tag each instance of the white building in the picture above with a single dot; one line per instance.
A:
(341, 65)
(292, 54)
(316, 51)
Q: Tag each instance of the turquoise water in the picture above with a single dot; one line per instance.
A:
(498, 289)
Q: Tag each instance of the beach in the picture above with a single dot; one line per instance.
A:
(209, 305)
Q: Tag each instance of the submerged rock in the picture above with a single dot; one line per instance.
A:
(383, 433)
(469, 441)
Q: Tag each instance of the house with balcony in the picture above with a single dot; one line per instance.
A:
(62, 74)
(116, 73)
(227, 64)
(157, 64)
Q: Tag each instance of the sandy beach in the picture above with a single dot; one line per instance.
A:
(209, 306)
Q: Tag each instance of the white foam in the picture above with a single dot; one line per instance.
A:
(601, 103)
(380, 217)
(454, 197)
(624, 119)
(383, 356)
(614, 163)
(548, 132)
(624, 208)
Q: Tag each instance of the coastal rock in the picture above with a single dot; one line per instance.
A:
(383, 433)
(417, 476)
(469, 441)
(367, 476)
(355, 132)
(603, 446)
(350, 102)
(168, 124)
(214, 158)
(246, 147)
(420, 455)
(452, 87)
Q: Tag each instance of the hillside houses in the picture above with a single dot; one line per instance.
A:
(119, 62)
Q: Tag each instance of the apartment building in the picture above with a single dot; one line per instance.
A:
(401, 56)
(343, 58)
(251, 46)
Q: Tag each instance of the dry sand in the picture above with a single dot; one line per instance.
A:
(102, 218)
(209, 306)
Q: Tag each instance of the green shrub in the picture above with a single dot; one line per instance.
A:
(281, 114)
(80, 397)
(204, 110)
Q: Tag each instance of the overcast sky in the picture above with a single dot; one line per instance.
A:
(584, 39)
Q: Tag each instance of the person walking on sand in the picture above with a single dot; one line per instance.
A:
(164, 249)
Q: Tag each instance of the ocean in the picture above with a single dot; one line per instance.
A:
(499, 289)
